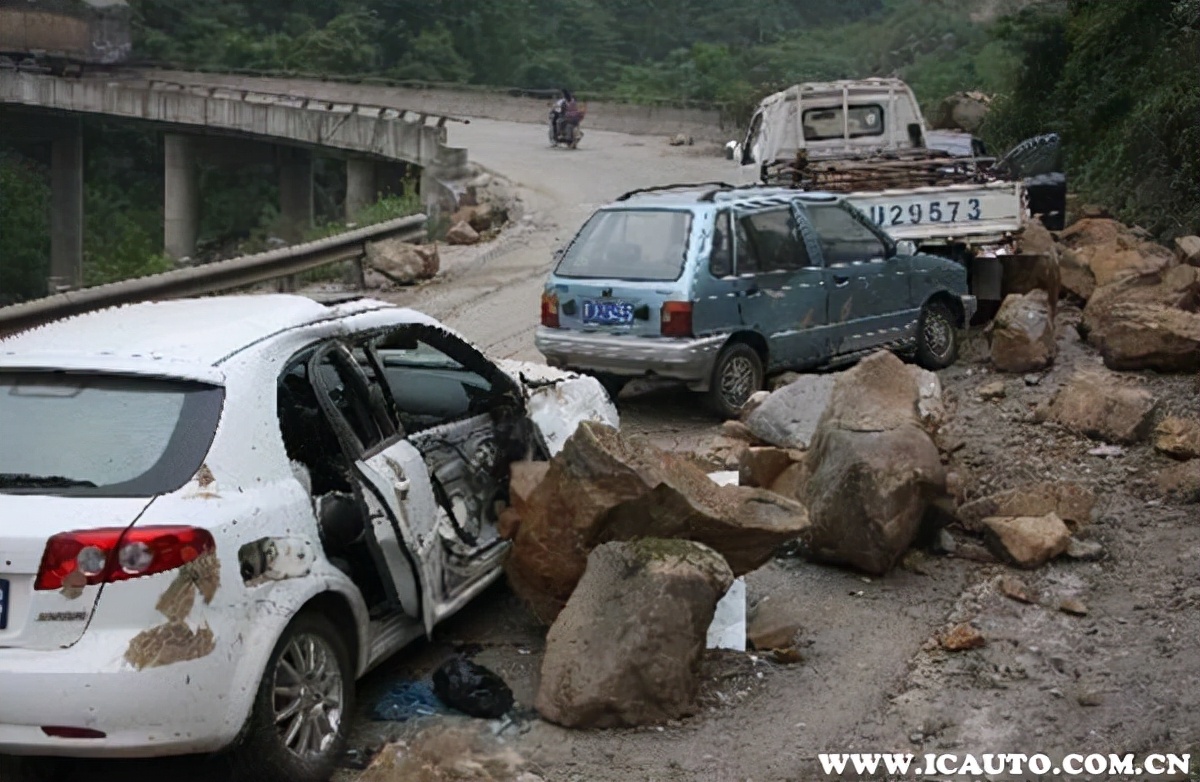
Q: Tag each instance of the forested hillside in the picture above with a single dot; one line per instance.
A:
(1117, 79)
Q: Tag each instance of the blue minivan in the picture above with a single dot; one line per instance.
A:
(720, 286)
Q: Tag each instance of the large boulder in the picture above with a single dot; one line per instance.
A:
(1071, 502)
(1102, 405)
(401, 262)
(1101, 251)
(964, 111)
(1027, 542)
(788, 417)
(1178, 438)
(1151, 336)
(1175, 288)
(603, 487)
(873, 467)
(625, 651)
(1023, 334)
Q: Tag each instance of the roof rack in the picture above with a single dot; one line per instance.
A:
(631, 193)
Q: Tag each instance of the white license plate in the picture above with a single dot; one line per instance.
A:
(942, 210)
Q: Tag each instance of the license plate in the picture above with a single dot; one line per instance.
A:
(3, 604)
(607, 312)
(947, 210)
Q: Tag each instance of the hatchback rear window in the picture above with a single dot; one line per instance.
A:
(629, 244)
(103, 435)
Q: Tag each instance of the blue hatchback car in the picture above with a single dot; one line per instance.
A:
(718, 287)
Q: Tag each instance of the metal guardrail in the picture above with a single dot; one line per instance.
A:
(212, 277)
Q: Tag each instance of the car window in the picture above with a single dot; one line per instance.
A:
(843, 238)
(823, 124)
(629, 244)
(775, 240)
(352, 400)
(107, 435)
(746, 261)
(720, 259)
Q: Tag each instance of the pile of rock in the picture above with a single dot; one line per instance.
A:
(483, 209)
(401, 263)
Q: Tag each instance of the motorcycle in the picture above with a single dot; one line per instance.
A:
(564, 127)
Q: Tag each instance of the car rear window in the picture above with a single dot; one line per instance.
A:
(629, 244)
(103, 435)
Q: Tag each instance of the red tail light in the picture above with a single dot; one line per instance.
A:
(677, 319)
(103, 556)
(549, 310)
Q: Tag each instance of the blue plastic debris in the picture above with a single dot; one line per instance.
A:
(407, 700)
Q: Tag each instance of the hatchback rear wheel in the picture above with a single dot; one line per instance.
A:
(937, 337)
(301, 715)
(737, 374)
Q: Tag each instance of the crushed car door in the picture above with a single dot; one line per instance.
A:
(394, 484)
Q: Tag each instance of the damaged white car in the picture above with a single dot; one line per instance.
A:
(216, 514)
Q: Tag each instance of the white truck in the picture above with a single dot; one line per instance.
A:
(868, 139)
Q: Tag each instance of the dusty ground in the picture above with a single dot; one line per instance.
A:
(1123, 678)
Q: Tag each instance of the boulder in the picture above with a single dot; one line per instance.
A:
(1027, 541)
(788, 417)
(1103, 251)
(401, 262)
(1071, 502)
(762, 466)
(1187, 250)
(996, 389)
(1181, 481)
(1176, 288)
(462, 233)
(964, 111)
(1100, 405)
(1150, 336)
(480, 216)
(1178, 438)
(1023, 334)
(603, 487)
(626, 649)
(772, 624)
(873, 468)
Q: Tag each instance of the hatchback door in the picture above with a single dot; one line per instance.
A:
(619, 270)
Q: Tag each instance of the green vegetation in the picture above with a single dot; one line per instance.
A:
(1117, 79)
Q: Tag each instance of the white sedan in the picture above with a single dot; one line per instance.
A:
(216, 514)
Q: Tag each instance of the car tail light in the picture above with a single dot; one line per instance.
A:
(677, 319)
(549, 310)
(103, 556)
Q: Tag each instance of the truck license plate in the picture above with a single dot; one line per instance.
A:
(950, 210)
(3, 604)
(607, 312)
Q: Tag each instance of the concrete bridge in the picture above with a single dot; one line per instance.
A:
(206, 121)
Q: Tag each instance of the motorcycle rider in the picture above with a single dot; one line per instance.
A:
(562, 106)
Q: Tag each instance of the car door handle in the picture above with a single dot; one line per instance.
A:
(841, 281)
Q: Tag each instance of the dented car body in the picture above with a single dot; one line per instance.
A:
(718, 286)
(217, 513)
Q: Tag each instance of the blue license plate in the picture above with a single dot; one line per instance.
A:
(607, 312)
(3, 604)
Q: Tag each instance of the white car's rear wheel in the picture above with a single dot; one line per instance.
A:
(301, 715)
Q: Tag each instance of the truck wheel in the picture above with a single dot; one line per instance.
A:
(301, 715)
(737, 374)
(937, 337)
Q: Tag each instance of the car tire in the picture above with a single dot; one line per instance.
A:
(313, 647)
(937, 336)
(737, 373)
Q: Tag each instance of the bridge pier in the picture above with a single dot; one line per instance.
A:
(361, 186)
(295, 191)
(181, 196)
(66, 208)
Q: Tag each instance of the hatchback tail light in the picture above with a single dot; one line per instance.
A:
(677, 319)
(104, 556)
(549, 310)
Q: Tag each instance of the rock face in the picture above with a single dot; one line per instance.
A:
(626, 649)
(873, 467)
(603, 487)
(788, 417)
(1103, 251)
(1071, 502)
(1023, 337)
(1098, 404)
(1178, 438)
(403, 263)
(462, 233)
(1027, 541)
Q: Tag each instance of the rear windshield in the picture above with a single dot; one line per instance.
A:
(629, 244)
(105, 435)
(822, 124)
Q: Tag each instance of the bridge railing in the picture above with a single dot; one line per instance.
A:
(212, 277)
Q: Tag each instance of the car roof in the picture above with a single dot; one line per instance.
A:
(185, 332)
(685, 196)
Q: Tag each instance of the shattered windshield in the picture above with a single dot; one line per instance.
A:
(629, 244)
(103, 435)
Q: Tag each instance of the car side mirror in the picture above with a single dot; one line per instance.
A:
(906, 247)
